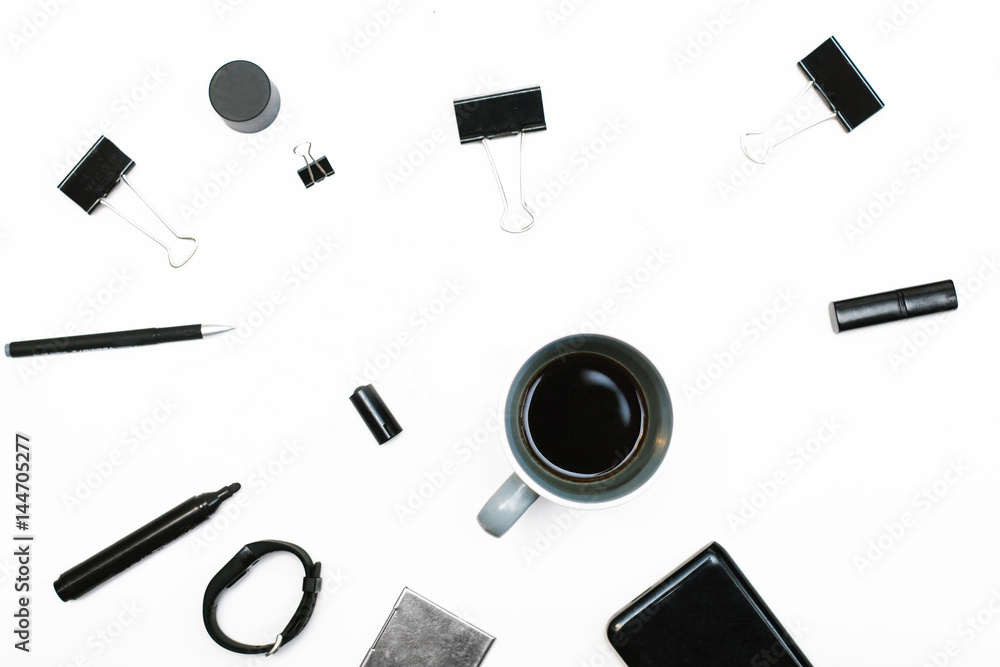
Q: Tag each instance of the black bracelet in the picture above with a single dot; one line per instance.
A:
(235, 570)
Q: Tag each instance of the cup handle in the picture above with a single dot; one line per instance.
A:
(507, 505)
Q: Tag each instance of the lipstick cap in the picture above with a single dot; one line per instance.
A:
(375, 414)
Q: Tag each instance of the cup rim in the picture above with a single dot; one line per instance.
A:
(523, 475)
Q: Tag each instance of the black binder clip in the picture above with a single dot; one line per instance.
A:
(841, 86)
(487, 117)
(315, 170)
(97, 174)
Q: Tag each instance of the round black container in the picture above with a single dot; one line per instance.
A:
(245, 98)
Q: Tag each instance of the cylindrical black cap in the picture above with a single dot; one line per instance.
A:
(245, 98)
(893, 306)
(377, 417)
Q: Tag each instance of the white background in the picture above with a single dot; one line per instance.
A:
(909, 399)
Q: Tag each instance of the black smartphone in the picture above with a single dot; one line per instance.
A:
(704, 614)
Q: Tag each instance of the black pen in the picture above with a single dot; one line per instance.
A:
(134, 338)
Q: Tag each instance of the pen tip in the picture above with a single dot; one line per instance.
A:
(215, 329)
(6, 349)
(229, 491)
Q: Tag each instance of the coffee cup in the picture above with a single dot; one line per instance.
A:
(586, 424)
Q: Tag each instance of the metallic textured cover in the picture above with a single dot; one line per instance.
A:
(421, 634)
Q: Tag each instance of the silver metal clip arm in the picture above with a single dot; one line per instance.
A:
(770, 147)
(520, 188)
(310, 160)
(170, 256)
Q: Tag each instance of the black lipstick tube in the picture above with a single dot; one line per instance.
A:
(901, 304)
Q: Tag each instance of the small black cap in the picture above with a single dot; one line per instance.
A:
(377, 417)
(245, 98)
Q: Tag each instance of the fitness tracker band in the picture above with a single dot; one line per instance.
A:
(235, 570)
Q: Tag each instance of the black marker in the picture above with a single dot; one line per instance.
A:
(126, 552)
(133, 338)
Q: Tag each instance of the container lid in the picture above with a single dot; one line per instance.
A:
(375, 414)
(240, 91)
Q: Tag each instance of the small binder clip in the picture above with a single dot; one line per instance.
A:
(841, 86)
(487, 117)
(97, 174)
(306, 173)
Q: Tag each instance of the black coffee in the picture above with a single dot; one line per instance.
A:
(583, 416)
